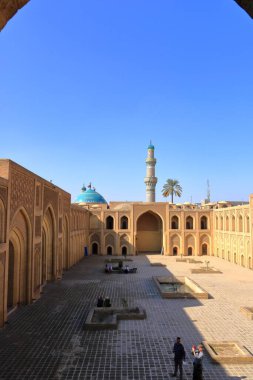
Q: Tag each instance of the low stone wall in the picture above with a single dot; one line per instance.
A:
(230, 352)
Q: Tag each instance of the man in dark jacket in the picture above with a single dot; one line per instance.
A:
(179, 356)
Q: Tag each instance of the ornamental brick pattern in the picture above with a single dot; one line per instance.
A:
(8, 8)
(22, 193)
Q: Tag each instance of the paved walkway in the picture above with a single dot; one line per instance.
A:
(46, 340)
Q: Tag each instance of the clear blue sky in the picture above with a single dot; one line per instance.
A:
(85, 85)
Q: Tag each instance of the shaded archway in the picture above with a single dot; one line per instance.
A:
(94, 248)
(204, 249)
(175, 244)
(2, 222)
(65, 242)
(48, 247)
(124, 250)
(190, 245)
(109, 250)
(175, 251)
(19, 286)
(149, 233)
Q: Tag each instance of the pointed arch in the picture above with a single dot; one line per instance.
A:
(124, 222)
(190, 244)
(189, 223)
(49, 254)
(109, 222)
(233, 223)
(247, 224)
(175, 244)
(149, 227)
(204, 222)
(19, 288)
(2, 222)
(204, 247)
(174, 222)
(65, 243)
(240, 223)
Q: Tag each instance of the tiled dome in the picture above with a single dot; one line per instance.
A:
(90, 196)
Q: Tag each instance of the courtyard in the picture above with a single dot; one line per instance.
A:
(47, 339)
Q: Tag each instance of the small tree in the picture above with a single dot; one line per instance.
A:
(172, 187)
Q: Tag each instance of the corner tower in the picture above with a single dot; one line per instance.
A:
(150, 179)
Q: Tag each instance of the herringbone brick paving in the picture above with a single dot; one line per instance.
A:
(46, 340)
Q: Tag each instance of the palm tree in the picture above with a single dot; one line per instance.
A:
(172, 187)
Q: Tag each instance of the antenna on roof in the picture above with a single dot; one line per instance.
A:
(208, 197)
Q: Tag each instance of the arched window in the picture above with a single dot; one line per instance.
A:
(124, 223)
(2, 222)
(228, 256)
(217, 223)
(174, 223)
(109, 223)
(222, 254)
(203, 223)
(235, 261)
(247, 224)
(221, 223)
(189, 223)
(240, 224)
(233, 223)
(227, 223)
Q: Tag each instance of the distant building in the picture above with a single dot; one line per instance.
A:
(42, 234)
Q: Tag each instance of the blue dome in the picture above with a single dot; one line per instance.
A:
(151, 146)
(90, 196)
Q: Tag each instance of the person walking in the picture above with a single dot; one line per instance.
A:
(197, 362)
(179, 356)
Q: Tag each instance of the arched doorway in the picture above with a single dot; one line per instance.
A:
(65, 240)
(149, 233)
(124, 250)
(204, 249)
(94, 248)
(109, 250)
(11, 270)
(189, 251)
(175, 250)
(19, 286)
(48, 247)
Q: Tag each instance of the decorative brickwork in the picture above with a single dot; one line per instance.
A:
(22, 193)
(37, 225)
(4, 194)
(66, 205)
(8, 8)
(51, 197)
(2, 257)
(60, 225)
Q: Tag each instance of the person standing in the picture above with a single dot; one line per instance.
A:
(197, 362)
(179, 356)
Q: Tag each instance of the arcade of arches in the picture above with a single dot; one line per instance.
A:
(42, 233)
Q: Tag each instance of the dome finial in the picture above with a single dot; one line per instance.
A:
(89, 186)
(83, 188)
(151, 146)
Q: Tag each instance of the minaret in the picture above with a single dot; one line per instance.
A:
(150, 179)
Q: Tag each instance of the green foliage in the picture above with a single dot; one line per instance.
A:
(172, 187)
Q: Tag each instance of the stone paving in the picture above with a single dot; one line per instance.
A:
(46, 340)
